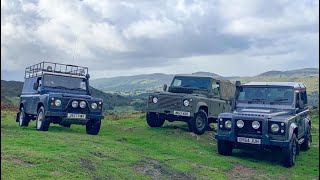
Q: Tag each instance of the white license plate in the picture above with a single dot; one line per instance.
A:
(181, 113)
(249, 140)
(76, 116)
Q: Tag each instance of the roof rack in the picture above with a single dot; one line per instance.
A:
(55, 68)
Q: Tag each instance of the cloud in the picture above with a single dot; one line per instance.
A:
(174, 36)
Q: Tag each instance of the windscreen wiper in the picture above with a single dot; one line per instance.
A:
(256, 99)
(278, 100)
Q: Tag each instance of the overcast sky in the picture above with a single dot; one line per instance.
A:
(113, 38)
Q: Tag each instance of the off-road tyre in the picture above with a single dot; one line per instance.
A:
(199, 122)
(23, 118)
(290, 153)
(42, 122)
(93, 126)
(154, 120)
(225, 147)
(307, 140)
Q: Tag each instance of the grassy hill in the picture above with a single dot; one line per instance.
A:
(140, 85)
(11, 90)
(129, 149)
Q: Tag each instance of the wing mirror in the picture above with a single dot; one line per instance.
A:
(165, 87)
(35, 86)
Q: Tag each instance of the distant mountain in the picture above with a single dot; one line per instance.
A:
(132, 85)
(297, 72)
(11, 90)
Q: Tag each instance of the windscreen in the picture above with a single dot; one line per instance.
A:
(270, 94)
(191, 82)
(65, 82)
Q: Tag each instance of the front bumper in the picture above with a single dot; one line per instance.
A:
(63, 115)
(168, 115)
(265, 140)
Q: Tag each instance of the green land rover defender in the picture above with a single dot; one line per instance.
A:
(195, 99)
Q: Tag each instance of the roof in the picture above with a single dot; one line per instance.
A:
(289, 84)
(202, 76)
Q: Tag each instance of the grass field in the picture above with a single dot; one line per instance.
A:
(129, 149)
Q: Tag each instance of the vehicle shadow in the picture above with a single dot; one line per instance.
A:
(184, 127)
(267, 156)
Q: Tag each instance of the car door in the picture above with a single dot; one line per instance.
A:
(301, 114)
(217, 105)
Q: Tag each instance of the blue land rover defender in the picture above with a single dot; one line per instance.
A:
(267, 115)
(59, 93)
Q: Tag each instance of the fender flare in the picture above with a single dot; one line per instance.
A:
(22, 104)
(201, 104)
(292, 127)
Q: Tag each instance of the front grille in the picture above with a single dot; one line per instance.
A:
(78, 109)
(247, 128)
(170, 102)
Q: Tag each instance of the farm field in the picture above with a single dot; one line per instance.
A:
(130, 149)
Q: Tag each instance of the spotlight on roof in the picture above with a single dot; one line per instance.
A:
(82, 72)
(49, 68)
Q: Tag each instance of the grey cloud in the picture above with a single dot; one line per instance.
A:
(122, 35)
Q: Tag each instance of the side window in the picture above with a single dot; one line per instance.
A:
(216, 88)
(297, 99)
(177, 82)
(304, 97)
(39, 81)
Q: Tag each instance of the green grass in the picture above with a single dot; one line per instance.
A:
(129, 149)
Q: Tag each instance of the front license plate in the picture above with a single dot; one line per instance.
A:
(76, 116)
(249, 140)
(181, 113)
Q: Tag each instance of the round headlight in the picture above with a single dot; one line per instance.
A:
(227, 124)
(155, 100)
(186, 102)
(74, 104)
(83, 104)
(57, 102)
(240, 124)
(275, 128)
(94, 105)
(255, 125)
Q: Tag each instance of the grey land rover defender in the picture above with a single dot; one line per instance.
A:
(267, 115)
(197, 100)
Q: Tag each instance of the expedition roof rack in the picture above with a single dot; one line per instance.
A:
(55, 68)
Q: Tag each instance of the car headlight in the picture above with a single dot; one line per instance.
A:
(74, 104)
(240, 124)
(255, 125)
(155, 100)
(94, 105)
(57, 102)
(227, 124)
(275, 128)
(186, 102)
(83, 104)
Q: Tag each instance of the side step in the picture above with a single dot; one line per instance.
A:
(301, 141)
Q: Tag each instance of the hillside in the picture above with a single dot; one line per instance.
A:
(129, 149)
(297, 72)
(132, 85)
(140, 85)
(11, 90)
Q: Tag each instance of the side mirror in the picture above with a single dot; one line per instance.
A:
(165, 87)
(35, 86)
(87, 76)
